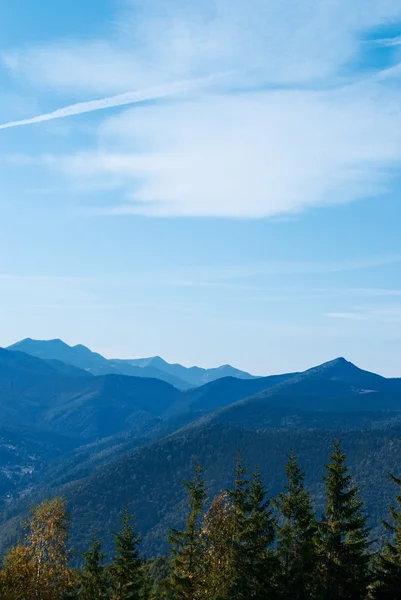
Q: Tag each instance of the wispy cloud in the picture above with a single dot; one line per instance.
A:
(244, 155)
(380, 315)
(135, 97)
(242, 276)
(293, 127)
(389, 42)
(353, 316)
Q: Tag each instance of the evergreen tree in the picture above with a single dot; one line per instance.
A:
(146, 583)
(93, 582)
(217, 534)
(240, 509)
(187, 565)
(388, 576)
(239, 534)
(126, 569)
(297, 547)
(260, 568)
(344, 535)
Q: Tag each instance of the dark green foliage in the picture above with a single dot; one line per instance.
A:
(239, 537)
(388, 575)
(259, 564)
(93, 583)
(126, 569)
(298, 543)
(239, 549)
(344, 545)
(187, 565)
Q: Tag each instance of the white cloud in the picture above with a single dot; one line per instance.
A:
(245, 155)
(161, 41)
(245, 151)
(390, 42)
(379, 315)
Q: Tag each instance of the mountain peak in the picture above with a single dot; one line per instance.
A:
(339, 362)
(30, 342)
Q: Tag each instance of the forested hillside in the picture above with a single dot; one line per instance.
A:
(105, 441)
(239, 543)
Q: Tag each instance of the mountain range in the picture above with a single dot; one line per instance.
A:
(73, 424)
(155, 367)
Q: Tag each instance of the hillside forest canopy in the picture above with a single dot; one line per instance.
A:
(240, 544)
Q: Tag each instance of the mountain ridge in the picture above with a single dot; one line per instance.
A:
(156, 367)
(114, 429)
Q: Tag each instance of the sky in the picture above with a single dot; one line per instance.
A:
(214, 181)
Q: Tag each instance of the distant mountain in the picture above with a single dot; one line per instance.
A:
(42, 394)
(78, 356)
(155, 367)
(101, 440)
(196, 376)
(64, 399)
(314, 397)
(221, 393)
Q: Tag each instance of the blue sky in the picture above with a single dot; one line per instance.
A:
(214, 181)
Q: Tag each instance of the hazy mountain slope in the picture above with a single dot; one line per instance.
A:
(10, 362)
(221, 393)
(126, 368)
(121, 416)
(29, 385)
(339, 378)
(23, 453)
(40, 393)
(110, 404)
(195, 376)
(155, 367)
(78, 356)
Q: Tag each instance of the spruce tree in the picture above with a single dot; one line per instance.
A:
(260, 568)
(344, 535)
(187, 565)
(388, 576)
(93, 584)
(297, 531)
(241, 522)
(146, 583)
(240, 508)
(126, 569)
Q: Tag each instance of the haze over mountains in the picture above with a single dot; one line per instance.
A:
(83, 358)
(77, 424)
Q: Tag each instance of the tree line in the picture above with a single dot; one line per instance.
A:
(241, 546)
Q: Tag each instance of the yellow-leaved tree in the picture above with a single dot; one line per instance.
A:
(37, 569)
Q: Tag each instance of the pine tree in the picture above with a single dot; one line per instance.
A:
(388, 576)
(240, 508)
(344, 535)
(187, 565)
(259, 566)
(297, 547)
(146, 592)
(93, 583)
(126, 569)
(239, 532)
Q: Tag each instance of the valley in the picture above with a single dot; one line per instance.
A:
(103, 440)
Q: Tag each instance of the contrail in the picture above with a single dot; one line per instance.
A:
(154, 93)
